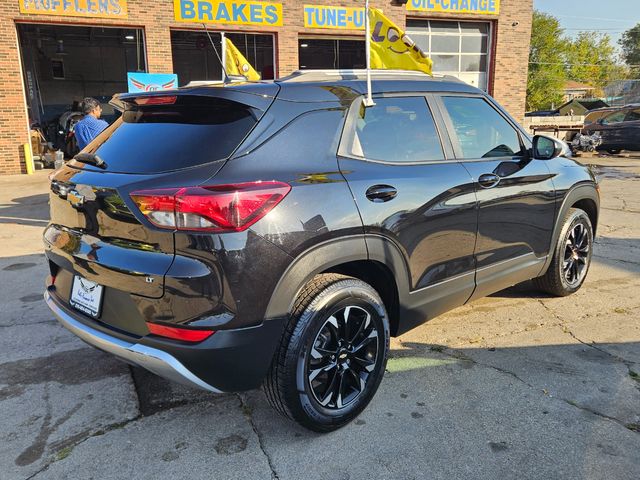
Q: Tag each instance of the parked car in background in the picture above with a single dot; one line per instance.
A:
(619, 129)
(278, 233)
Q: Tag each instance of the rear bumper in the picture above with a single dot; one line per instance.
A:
(230, 360)
(156, 361)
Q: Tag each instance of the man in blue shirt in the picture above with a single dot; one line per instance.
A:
(90, 126)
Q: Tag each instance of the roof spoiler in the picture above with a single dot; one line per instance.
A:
(117, 103)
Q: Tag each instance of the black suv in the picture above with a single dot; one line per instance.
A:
(278, 233)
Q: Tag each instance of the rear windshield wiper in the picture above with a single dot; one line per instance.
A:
(91, 159)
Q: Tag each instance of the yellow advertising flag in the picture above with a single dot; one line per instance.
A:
(236, 64)
(392, 49)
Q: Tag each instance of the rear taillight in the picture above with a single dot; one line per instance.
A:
(217, 208)
(177, 333)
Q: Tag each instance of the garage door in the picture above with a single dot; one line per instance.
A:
(460, 49)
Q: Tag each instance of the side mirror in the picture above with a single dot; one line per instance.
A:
(548, 148)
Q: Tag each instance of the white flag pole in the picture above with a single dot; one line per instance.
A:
(224, 57)
(367, 31)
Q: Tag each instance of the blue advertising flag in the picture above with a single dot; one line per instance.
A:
(151, 82)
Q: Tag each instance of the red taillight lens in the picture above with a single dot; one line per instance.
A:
(176, 333)
(216, 208)
(166, 100)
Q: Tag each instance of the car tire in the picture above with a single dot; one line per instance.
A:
(571, 257)
(323, 374)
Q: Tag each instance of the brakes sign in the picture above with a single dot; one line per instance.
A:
(228, 12)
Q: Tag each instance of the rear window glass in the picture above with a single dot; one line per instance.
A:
(159, 138)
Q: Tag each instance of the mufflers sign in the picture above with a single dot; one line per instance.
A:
(76, 8)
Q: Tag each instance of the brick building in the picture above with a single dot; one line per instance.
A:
(55, 52)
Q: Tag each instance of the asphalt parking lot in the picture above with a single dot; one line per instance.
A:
(517, 385)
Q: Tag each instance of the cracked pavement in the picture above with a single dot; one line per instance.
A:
(516, 385)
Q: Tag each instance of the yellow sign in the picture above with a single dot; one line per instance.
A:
(228, 12)
(484, 7)
(76, 8)
(391, 48)
(320, 16)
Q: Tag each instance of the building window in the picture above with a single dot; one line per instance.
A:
(331, 53)
(460, 49)
(62, 64)
(194, 58)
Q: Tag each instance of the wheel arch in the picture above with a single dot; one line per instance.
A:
(591, 208)
(584, 196)
(380, 277)
(372, 259)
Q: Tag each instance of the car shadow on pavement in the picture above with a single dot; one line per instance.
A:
(32, 210)
(624, 251)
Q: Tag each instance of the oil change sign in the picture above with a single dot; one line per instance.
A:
(319, 16)
(76, 8)
(229, 12)
(486, 7)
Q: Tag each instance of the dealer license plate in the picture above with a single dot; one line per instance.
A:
(86, 296)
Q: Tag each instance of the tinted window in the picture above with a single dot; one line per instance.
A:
(480, 130)
(616, 117)
(158, 138)
(397, 130)
(632, 116)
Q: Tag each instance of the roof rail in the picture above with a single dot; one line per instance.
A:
(359, 71)
(313, 75)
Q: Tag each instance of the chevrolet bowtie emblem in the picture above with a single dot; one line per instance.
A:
(75, 199)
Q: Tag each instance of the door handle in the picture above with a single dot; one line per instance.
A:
(381, 193)
(488, 180)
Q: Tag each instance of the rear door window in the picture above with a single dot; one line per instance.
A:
(395, 129)
(480, 131)
(616, 117)
(194, 130)
(633, 115)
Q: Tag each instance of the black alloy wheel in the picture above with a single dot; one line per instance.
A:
(571, 257)
(576, 255)
(342, 357)
(332, 355)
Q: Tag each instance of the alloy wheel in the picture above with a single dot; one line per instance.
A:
(576, 255)
(342, 357)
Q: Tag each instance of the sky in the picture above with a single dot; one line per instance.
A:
(605, 16)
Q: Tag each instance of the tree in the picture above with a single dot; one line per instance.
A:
(546, 63)
(554, 58)
(630, 43)
(591, 59)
